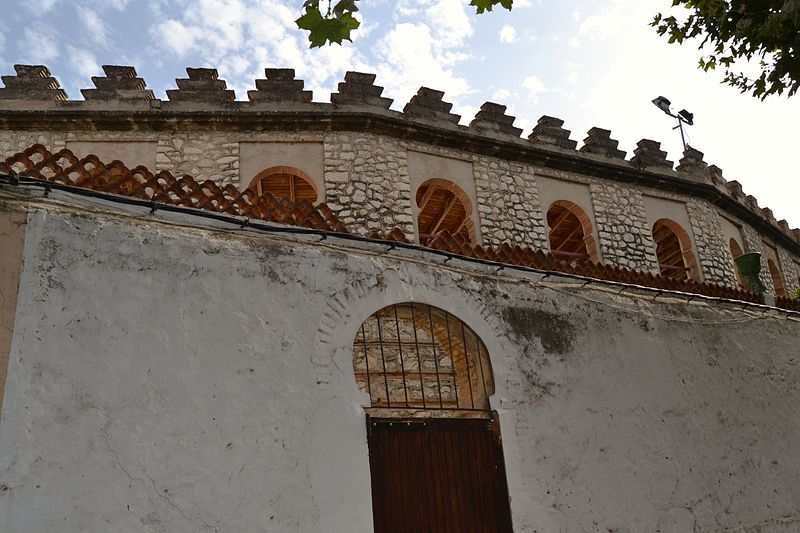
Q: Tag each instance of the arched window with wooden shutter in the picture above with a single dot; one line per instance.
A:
(285, 182)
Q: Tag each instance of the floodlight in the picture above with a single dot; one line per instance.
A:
(663, 104)
(683, 116)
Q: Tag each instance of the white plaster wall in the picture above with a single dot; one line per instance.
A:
(132, 153)
(167, 378)
(255, 157)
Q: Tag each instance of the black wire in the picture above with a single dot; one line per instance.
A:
(18, 180)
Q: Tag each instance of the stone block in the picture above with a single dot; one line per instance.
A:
(692, 162)
(119, 83)
(358, 88)
(280, 86)
(599, 141)
(492, 118)
(549, 130)
(203, 85)
(648, 153)
(32, 82)
(428, 103)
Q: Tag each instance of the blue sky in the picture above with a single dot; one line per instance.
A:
(591, 63)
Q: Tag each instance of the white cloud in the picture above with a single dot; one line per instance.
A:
(82, 62)
(500, 95)
(449, 22)
(508, 34)
(38, 49)
(572, 77)
(177, 37)
(95, 27)
(574, 42)
(40, 7)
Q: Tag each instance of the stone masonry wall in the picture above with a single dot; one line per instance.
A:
(754, 243)
(789, 269)
(712, 252)
(623, 234)
(367, 184)
(206, 156)
(508, 203)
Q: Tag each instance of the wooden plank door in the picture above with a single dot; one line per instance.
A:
(438, 476)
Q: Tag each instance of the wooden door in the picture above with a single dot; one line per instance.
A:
(437, 476)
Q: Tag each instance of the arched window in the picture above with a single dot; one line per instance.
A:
(570, 232)
(674, 250)
(416, 356)
(736, 251)
(777, 278)
(285, 182)
(443, 206)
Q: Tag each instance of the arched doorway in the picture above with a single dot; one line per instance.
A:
(570, 234)
(285, 182)
(436, 460)
(674, 250)
(443, 206)
(777, 278)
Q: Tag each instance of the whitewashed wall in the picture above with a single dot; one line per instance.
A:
(169, 378)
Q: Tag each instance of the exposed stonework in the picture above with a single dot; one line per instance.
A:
(791, 275)
(203, 85)
(648, 153)
(359, 88)
(754, 243)
(119, 83)
(280, 86)
(32, 82)
(428, 103)
(712, 251)
(623, 234)
(198, 132)
(208, 156)
(508, 203)
(492, 118)
(550, 130)
(367, 185)
(599, 141)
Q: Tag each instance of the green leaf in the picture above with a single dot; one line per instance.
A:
(487, 5)
(323, 30)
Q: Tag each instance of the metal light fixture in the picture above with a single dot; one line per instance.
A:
(683, 116)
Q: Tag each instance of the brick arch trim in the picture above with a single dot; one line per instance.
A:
(586, 225)
(777, 278)
(255, 183)
(736, 251)
(685, 241)
(459, 194)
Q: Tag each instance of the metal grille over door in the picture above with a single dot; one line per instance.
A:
(416, 356)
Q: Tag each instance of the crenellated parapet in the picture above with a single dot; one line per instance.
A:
(202, 85)
(599, 141)
(492, 118)
(280, 87)
(32, 83)
(359, 88)
(120, 101)
(429, 104)
(119, 83)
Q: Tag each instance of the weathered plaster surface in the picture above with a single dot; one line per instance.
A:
(174, 379)
(12, 242)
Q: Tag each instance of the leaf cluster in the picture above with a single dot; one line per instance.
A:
(333, 27)
(767, 30)
(338, 22)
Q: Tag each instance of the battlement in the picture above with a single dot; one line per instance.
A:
(369, 162)
(33, 89)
